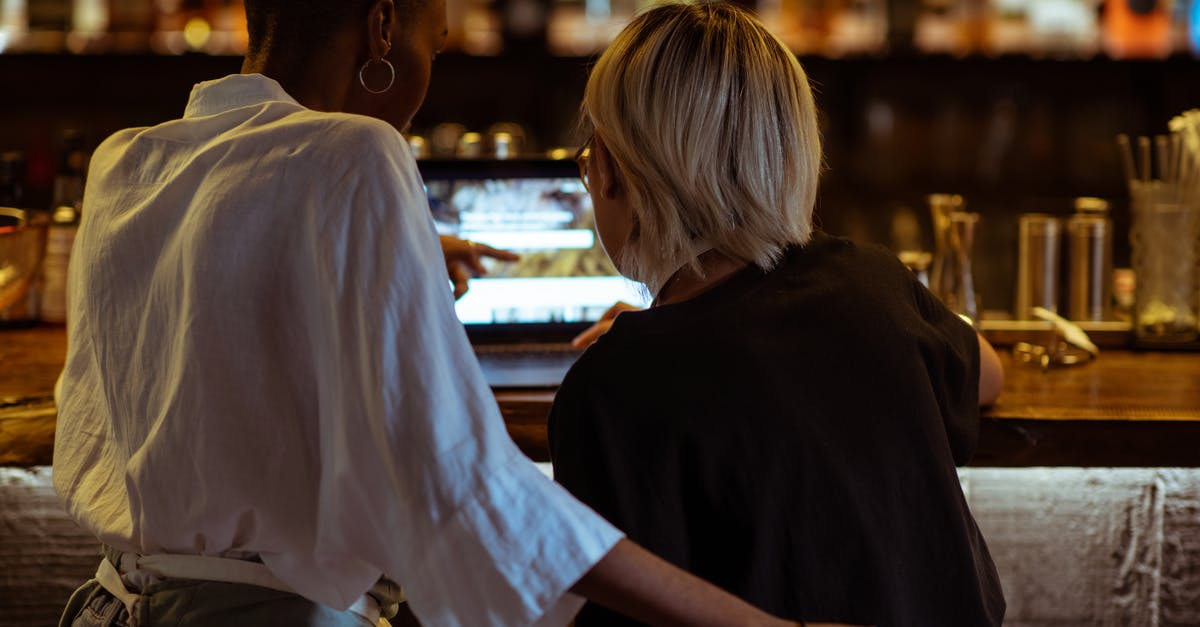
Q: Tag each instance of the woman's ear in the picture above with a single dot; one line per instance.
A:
(608, 175)
(381, 19)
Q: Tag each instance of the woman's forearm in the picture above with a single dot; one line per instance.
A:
(634, 582)
(991, 373)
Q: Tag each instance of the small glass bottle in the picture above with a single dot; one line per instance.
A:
(951, 277)
(1039, 246)
(12, 179)
(60, 238)
(1089, 261)
(940, 208)
(64, 223)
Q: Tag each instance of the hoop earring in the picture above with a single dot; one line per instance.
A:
(391, 79)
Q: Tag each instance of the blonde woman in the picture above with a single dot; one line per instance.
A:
(786, 418)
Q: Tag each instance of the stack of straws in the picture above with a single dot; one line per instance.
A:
(1177, 158)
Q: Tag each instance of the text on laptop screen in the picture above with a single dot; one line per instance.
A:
(563, 274)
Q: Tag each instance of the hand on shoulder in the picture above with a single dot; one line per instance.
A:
(592, 333)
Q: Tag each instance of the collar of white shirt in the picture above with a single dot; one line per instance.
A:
(233, 91)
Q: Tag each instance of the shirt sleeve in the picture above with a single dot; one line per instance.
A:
(950, 349)
(418, 476)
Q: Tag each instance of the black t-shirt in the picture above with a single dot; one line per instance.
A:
(791, 436)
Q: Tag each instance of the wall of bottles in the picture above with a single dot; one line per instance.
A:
(834, 28)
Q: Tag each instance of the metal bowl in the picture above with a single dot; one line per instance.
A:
(22, 246)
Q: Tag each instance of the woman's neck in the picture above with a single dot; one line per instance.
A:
(687, 284)
(319, 82)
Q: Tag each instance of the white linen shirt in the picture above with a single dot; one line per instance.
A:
(264, 357)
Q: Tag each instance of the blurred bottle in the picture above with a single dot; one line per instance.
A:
(12, 179)
(1009, 30)
(951, 277)
(89, 27)
(187, 26)
(169, 19)
(228, 22)
(470, 146)
(1137, 29)
(209, 26)
(64, 223)
(1038, 252)
(1089, 261)
(940, 208)
(1192, 21)
(49, 22)
(14, 24)
(199, 19)
(906, 241)
(858, 27)
(508, 140)
(523, 24)
(1124, 291)
(130, 24)
(950, 26)
(12, 194)
(443, 140)
(481, 28)
(73, 158)
(902, 17)
(1057, 28)
(418, 146)
(1064, 28)
(567, 30)
(804, 24)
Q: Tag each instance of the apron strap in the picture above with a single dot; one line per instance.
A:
(109, 579)
(205, 568)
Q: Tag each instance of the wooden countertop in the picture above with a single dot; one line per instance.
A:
(1126, 408)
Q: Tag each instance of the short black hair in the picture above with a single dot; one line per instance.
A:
(272, 22)
(299, 27)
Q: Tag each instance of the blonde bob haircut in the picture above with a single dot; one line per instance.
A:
(713, 128)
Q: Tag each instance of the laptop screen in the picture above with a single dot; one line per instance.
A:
(540, 210)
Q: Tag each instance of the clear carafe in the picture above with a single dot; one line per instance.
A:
(951, 278)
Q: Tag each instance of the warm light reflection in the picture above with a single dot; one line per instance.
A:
(89, 17)
(196, 33)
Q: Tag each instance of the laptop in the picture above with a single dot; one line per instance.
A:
(521, 316)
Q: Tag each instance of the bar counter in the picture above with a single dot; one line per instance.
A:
(1126, 408)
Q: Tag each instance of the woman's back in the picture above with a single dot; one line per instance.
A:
(792, 436)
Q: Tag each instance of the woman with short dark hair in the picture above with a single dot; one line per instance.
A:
(269, 412)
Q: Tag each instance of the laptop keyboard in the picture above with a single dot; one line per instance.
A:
(524, 351)
(525, 365)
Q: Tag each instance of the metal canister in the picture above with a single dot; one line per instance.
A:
(1038, 244)
(1089, 261)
